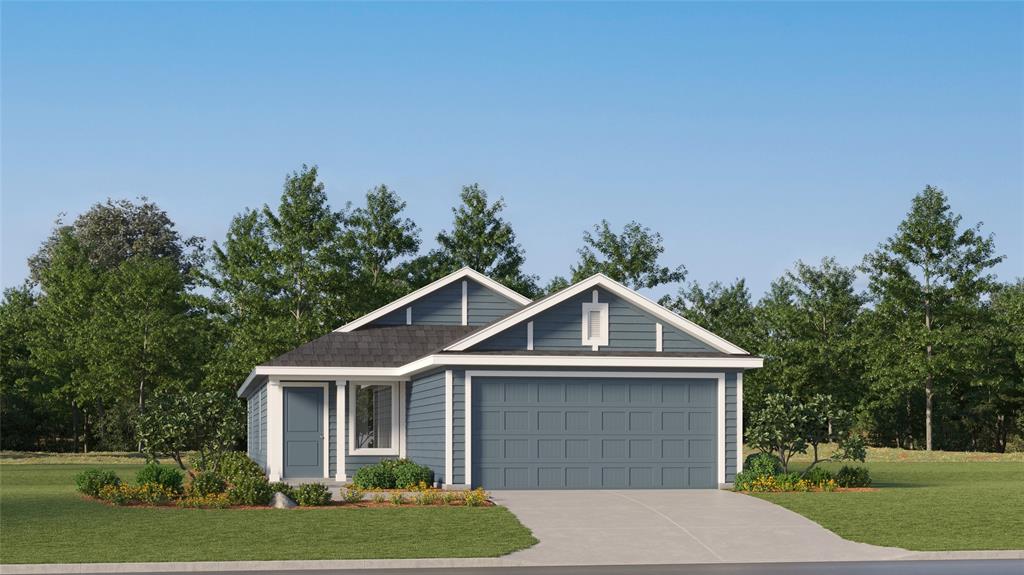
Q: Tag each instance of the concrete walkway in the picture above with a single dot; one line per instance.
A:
(673, 526)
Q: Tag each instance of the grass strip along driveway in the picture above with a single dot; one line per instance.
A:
(43, 520)
(938, 502)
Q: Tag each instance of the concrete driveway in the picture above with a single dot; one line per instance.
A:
(672, 526)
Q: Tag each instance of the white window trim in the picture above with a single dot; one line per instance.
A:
(395, 419)
(529, 336)
(658, 337)
(465, 302)
(596, 342)
(718, 376)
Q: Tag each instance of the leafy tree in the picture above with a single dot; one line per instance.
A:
(808, 322)
(630, 257)
(483, 240)
(208, 422)
(785, 426)
(725, 310)
(377, 237)
(926, 283)
(118, 230)
(993, 402)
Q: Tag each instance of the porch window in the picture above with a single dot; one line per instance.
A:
(374, 419)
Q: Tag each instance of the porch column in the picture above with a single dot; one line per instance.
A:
(341, 417)
(275, 429)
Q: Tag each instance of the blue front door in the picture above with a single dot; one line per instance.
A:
(303, 432)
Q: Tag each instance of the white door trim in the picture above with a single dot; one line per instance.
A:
(719, 376)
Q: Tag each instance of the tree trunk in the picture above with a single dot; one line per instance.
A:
(928, 393)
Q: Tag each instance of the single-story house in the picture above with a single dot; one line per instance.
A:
(592, 387)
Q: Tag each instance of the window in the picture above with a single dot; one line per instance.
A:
(373, 419)
(595, 325)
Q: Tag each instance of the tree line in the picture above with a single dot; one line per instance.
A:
(120, 312)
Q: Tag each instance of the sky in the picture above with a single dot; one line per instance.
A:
(749, 135)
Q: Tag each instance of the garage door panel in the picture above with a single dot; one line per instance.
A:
(553, 433)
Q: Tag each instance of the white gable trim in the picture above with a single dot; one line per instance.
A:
(432, 287)
(658, 311)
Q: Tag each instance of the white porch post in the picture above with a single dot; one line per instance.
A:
(275, 429)
(401, 418)
(342, 417)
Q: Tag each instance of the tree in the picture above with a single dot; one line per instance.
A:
(483, 240)
(630, 258)
(926, 283)
(280, 278)
(377, 237)
(208, 422)
(118, 230)
(785, 426)
(807, 324)
(994, 400)
(725, 310)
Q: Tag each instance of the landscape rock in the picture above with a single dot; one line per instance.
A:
(282, 501)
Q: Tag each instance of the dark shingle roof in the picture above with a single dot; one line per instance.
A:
(373, 347)
(603, 352)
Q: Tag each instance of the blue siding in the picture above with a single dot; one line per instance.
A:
(560, 329)
(485, 306)
(256, 445)
(424, 420)
(730, 427)
(332, 440)
(459, 427)
(396, 317)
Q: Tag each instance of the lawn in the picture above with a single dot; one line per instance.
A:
(926, 502)
(43, 520)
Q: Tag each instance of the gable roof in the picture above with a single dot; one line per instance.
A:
(389, 346)
(599, 280)
(463, 273)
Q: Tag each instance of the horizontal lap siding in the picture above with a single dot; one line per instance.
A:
(629, 329)
(425, 422)
(511, 339)
(459, 427)
(730, 427)
(674, 340)
(485, 306)
(257, 426)
(441, 307)
(332, 438)
(559, 328)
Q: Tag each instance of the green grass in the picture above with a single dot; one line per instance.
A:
(925, 502)
(43, 520)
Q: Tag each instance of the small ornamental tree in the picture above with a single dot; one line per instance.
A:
(785, 427)
(208, 422)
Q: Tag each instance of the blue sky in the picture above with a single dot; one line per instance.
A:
(749, 135)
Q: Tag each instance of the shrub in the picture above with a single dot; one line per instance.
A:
(818, 475)
(282, 487)
(154, 494)
(377, 498)
(397, 498)
(355, 495)
(236, 467)
(91, 481)
(448, 498)
(312, 495)
(168, 477)
(211, 501)
(427, 497)
(850, 476)
(206, 483)
(391, 474)
(251, 490)
(476, 497)
(762, 464)
(119, 494)
(744, 480)
(408, 474)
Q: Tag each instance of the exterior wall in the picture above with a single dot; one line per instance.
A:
(257, 426)
(459, 419)
(332, 429)
(444, 307)
(560, 328)
(424, 421)
(485, 306)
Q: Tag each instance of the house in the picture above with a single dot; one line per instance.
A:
(594, 386)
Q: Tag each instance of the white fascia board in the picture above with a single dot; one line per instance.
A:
(614, 287)
(473, 360)
(434, 286)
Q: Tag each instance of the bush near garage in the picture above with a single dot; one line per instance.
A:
(393, 474)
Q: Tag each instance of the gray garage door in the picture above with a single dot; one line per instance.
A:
(572, 433)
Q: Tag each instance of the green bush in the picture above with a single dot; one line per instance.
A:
(818, 475)
(312, 495)
(744, 480)
(168, 477)
(251, 490)
(236, 466)
(762, 464)
(392, 474)
(850, 476)
(409, 474)
(283, 487)
(206, 483)
(355, 495)
(91, 481)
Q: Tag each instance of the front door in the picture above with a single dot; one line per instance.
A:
(303, 432)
